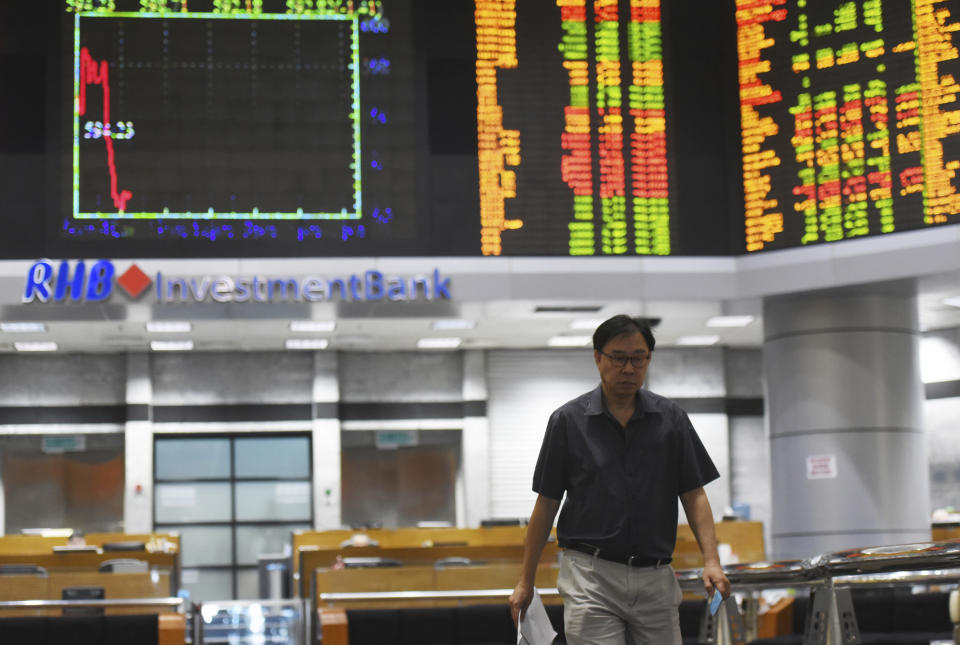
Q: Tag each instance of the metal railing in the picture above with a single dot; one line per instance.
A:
(831, 618)
(856, 563)
(460, 594)
(173, 603)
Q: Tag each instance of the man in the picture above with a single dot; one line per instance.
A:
(622, 455)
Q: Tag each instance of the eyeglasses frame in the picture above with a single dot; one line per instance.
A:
(621, 361)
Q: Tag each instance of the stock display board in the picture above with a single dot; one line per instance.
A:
(188, 128)
(611, 186)
(850, 118)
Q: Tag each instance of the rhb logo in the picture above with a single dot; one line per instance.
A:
(73, 282)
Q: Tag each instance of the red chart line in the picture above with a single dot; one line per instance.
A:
(93, 72)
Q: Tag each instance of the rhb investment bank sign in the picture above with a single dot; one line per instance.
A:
(77, 281)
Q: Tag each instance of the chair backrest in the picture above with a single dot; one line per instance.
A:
(507, 521)
(356, 563)
(123, 565)
(454, 562)
(124, 546)
(22, 570)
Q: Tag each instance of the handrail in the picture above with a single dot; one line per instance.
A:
(855, 566)
(898, 557)
(427, 595)
(757, 574)
(902, 577)
(116, 602)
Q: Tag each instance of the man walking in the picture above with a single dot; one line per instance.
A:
(623, 456)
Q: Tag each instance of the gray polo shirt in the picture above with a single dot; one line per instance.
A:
(621, 483)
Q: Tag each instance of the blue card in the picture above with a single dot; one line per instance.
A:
(715, 603)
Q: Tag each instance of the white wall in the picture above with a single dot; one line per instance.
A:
(525, 387)
(521, 389)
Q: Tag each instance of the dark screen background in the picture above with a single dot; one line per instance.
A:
(419, 151)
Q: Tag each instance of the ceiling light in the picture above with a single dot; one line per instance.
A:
(312, 326)
(953, 301)
(40, 346)
(569, 341)
(448, 324)
(586, 323)
(450, 342)
(729, 321)
(306, 343)
(22, 327)
(171, 345)
(169, 326)
(698, 340)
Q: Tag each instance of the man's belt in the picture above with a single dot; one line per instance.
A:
(629, 560)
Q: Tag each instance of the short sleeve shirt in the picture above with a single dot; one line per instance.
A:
(621, 483)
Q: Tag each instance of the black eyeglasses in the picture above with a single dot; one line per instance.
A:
(620, 360)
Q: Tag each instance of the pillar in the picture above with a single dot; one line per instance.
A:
(138, 447)
(844, 395)
(475, 447)
(326, 442)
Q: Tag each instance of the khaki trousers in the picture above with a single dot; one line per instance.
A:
(606, 603)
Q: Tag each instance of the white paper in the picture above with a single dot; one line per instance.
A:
(535, 627)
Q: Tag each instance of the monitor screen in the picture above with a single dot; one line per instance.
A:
(849, 117)
(272, 128)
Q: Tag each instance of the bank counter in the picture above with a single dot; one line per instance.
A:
(113, 586)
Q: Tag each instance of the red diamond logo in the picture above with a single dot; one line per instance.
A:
(134, 281)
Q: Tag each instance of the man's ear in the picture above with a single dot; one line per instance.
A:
(596, 357)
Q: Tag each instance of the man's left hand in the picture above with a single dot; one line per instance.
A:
(715, 578)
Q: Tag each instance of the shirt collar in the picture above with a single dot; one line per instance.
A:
(595, 404)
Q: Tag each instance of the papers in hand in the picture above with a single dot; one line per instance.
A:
(715, 603)
(535, 627)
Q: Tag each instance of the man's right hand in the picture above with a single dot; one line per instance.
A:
(520, 600)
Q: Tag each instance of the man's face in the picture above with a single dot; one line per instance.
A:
(623, 380)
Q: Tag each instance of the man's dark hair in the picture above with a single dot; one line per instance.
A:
(620, 325)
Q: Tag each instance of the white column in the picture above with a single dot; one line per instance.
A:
(3, 508)
(138, 448)
(475, 447)
(326, 442)
(844, 393)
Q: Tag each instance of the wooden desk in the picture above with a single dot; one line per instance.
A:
(408, 538)
(88, 562)
(777, 620)
(744, 538)
(30, 544)
(946, 532)
(312, 559)
(424, 578)
(115, 585)
(495, 544)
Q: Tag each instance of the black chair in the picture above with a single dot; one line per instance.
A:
(22, 570)
(82, 593)
(508, 521)
(364, 563)
(124, 546)
(80, 630)
(444, 563)
(124, 565)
